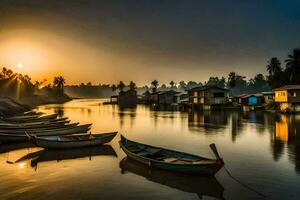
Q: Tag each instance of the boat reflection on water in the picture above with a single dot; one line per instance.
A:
(7, 147)
(200, 185)
(66, 154)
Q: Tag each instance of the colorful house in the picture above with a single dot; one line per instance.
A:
(288, 98)
(252, 100)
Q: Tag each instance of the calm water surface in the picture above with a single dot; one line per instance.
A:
(261, 150)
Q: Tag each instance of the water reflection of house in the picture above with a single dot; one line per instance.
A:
(288, 97)
(209, 120)
(287, 131)
(208, 97)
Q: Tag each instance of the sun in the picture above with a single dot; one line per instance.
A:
(20, 65)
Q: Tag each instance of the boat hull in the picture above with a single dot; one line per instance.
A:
(56, 144)
(201, 169)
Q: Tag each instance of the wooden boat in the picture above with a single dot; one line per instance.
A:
(44, 131)
(171, 160)
(30, 119)
(36, 129)
(25, 136)
(72, 141)
(200, 185)
(29, 124)
(34, 126)
(47, 155)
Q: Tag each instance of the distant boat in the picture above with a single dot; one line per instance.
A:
(73, 141)
(171, 160)
(200, 185)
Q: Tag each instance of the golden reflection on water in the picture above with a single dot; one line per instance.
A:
(281, 129)
(245, 140)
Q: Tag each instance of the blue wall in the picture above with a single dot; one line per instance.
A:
(252, 100)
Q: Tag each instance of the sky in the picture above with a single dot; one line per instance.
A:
(108, 41)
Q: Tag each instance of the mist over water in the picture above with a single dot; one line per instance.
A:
(261, 150)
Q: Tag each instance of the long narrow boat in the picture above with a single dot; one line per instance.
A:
(73, 141)
(24, 124)
(171, 160)
(31, 119)
(200, 185)
(25, 136)
(34, 126)
(36, 129)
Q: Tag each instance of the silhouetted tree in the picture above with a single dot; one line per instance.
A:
(274, 66)
(172, 83)
(113, 87)
(121, 86)
(132, 85)
(293, 67)
(59, 83)
(154, 85)
(220, 82)
(182, 85)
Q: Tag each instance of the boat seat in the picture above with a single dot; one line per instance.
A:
(170, 159)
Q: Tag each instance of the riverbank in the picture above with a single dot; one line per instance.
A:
(9, 106)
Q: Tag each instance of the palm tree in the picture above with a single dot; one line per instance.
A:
(172, 83)
(154, 85)
(274, 66)
(121, 86)
(132, 85)
(292, 66)
(59, 83)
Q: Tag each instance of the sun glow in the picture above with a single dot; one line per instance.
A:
(20, 65)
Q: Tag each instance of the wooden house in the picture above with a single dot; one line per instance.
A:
(208, 96)
(268, 97)
(167, 97)
(127, 98)
(288, 98)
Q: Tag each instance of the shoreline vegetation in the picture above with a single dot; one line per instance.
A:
(19, 88)
(20, 94)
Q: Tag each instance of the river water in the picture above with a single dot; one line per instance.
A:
(261, 150)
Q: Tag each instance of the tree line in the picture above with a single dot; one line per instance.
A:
(18, 86)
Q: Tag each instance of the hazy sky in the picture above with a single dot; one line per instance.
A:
(107, 41)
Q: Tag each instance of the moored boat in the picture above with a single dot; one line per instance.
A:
(37, 128)
(30, 118)
(10, 137)
(29, 126)
(66, 130)
(72, 141)
(171, 160)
